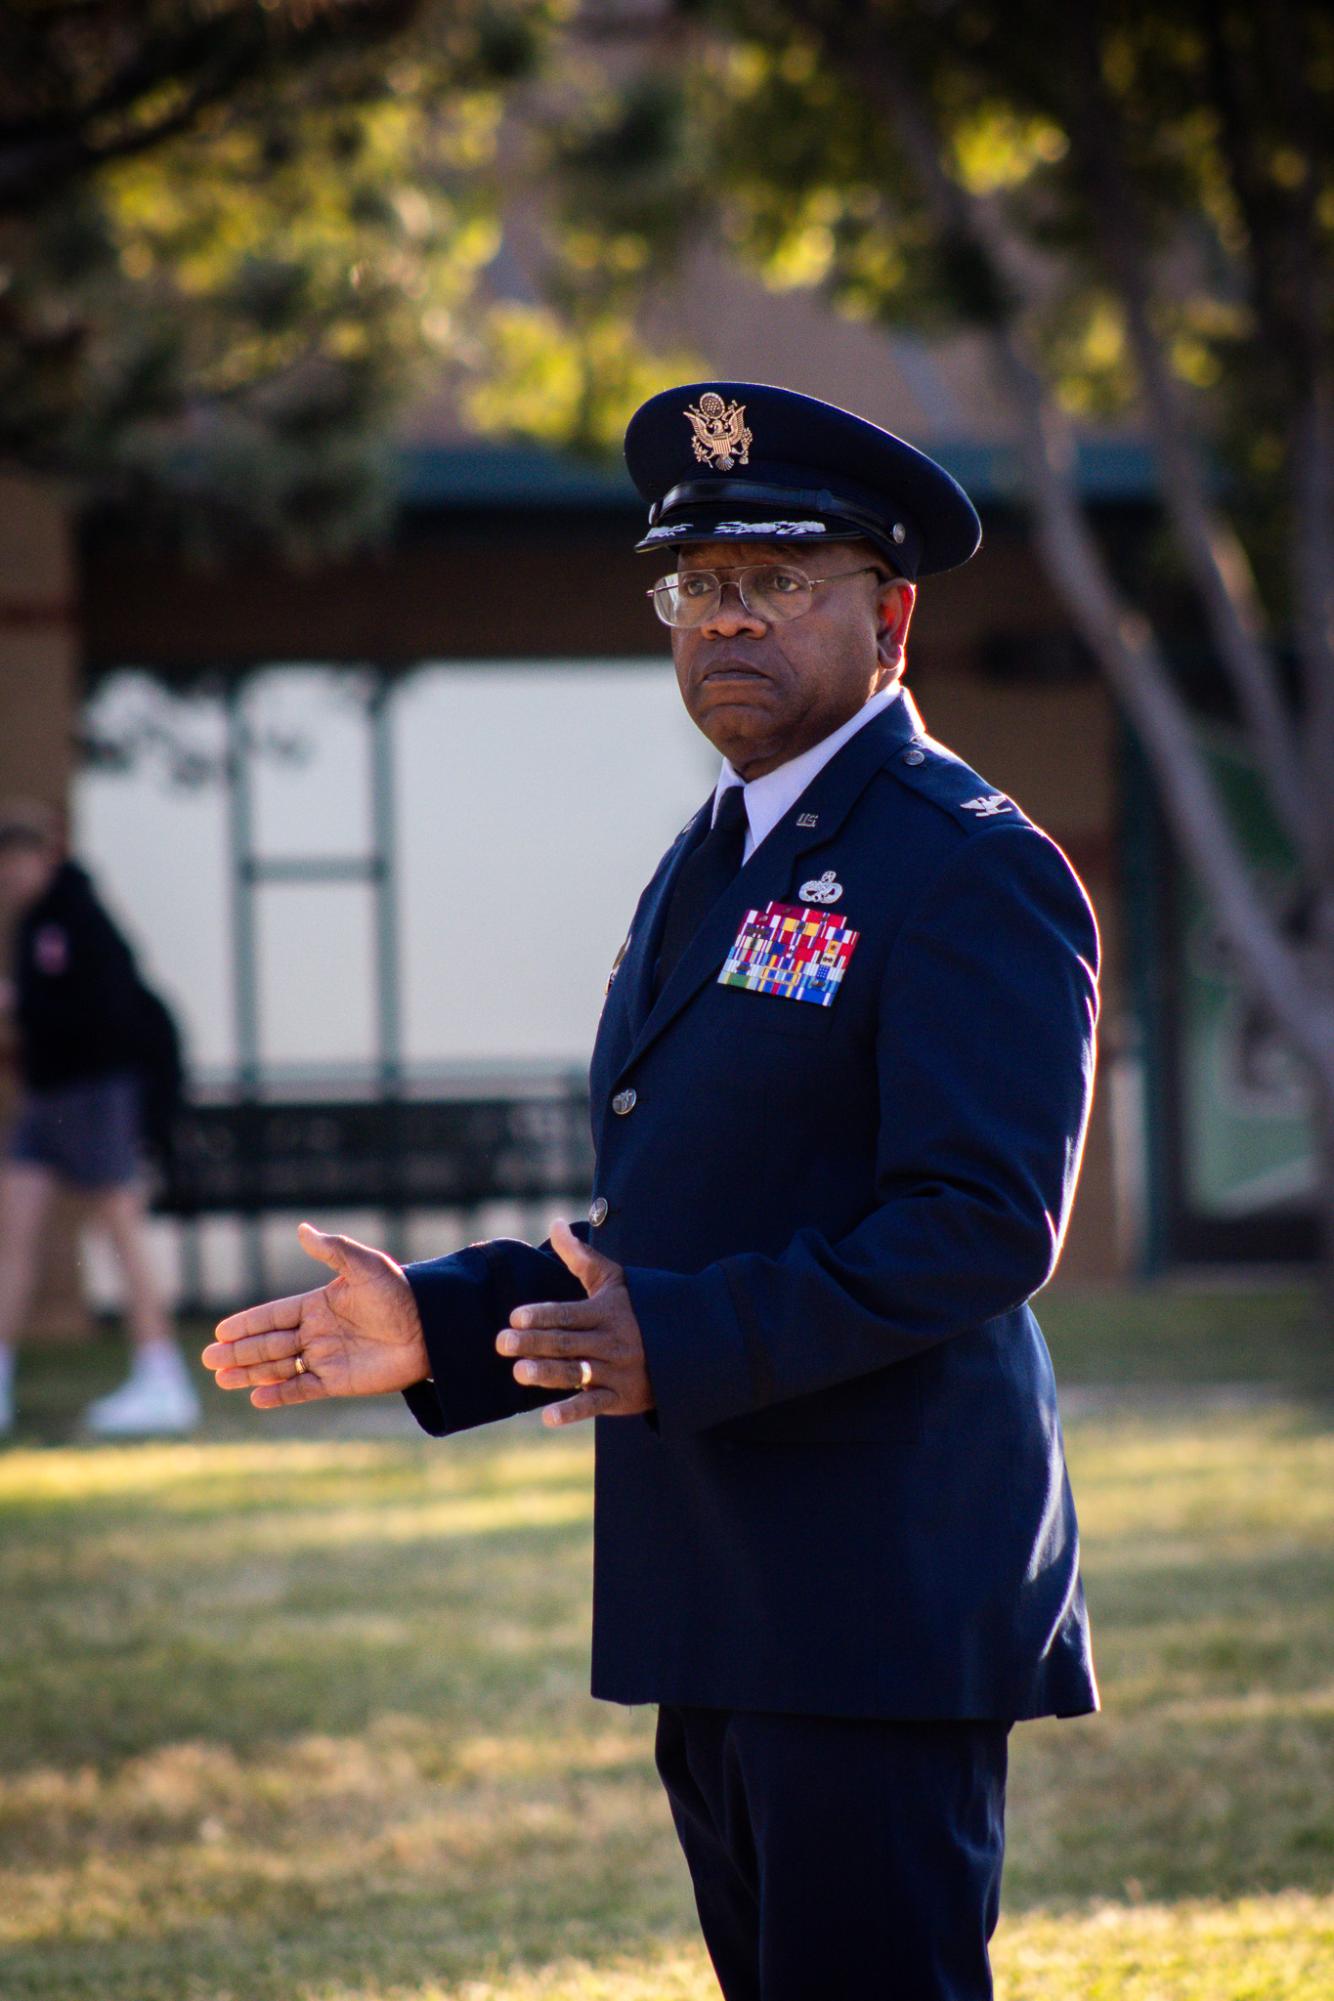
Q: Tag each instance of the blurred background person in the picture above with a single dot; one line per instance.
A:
(100, 1071)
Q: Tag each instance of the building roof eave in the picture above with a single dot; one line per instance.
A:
(1113, 470)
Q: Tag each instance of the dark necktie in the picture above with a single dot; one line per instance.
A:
(704, 876)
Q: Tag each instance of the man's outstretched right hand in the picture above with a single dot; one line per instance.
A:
(358, 1336)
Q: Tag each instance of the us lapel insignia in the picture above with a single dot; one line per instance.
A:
(826, 890)
(721, 436)
(790, 951)
(808, 819)
(987, 804)
(616, 965)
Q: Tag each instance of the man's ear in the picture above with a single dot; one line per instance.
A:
(894, 609)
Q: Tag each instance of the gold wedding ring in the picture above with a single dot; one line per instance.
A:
(585, 1375)
(300, 1365)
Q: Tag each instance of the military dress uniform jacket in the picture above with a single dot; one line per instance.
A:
(851, 1497)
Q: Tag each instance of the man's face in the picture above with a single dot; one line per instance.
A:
(762, 690)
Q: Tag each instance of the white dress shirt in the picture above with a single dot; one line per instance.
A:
(767, 799)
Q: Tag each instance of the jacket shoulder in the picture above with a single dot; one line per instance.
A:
(933, 773)
(963, 806)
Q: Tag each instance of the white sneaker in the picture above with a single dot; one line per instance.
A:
(150, 1402)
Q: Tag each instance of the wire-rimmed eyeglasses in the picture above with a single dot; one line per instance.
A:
(767, 590)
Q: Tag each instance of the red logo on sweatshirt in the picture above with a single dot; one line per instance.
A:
(51, 949)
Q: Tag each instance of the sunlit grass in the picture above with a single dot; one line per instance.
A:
(1255, 1949)
(306, 1719)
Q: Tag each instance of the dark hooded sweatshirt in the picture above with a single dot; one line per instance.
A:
(83, 1011)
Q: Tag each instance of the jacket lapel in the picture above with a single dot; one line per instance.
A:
(765, 878)
(637, 972)
(629, 995)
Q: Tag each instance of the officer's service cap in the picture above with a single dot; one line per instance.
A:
(743, 459)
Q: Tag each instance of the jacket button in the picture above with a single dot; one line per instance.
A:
(914, 756)
(597, 1210)
(625, 1101)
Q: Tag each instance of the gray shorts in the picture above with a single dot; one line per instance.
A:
(86, 1132)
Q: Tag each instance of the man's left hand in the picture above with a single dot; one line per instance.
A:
(554, 1337)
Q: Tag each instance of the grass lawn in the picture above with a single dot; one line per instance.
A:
(297, 1711)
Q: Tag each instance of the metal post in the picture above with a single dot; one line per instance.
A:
(192, 1265)
(386, 890)
(387, 981)
(245, 957)
(1144, 861)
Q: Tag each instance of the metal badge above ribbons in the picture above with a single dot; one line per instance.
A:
(827, 889)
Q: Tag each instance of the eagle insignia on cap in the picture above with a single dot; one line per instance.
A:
(721, 438)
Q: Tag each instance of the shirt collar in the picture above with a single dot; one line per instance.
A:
(768, 798)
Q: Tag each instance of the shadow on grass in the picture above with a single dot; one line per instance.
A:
(140, 1647)
(375, 1951)
(1164, 1334)
(310, 1918)
(312, 1718)
(1209, 1772)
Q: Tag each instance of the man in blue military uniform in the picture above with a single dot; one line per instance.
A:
(839, 1096)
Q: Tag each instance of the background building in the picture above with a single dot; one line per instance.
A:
(379, 825)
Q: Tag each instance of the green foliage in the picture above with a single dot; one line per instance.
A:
(1195, 142)
(565, 379)
(611, 180)
(232, 314)
(235, 271)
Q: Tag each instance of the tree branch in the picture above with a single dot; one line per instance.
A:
(1120, 638)
(43, 167)
(1217, 562)
(1312, 436)
(41, 152)
(1285, 270)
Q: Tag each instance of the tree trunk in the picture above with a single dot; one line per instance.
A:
(1211, 550)
(1294, 987)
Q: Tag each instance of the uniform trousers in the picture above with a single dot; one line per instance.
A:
(836, 1858)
